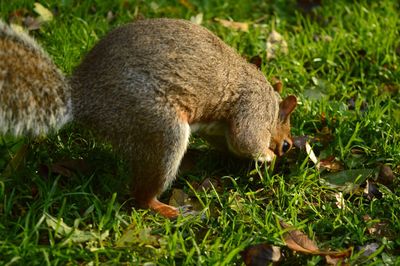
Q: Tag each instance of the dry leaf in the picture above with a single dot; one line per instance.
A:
(340, 200)
(72, 234)
(182, 201)
(347, 180)
(45, 15)
(335, 261)
(298, 241)
(277, 84)
(261, 254)
(137, 236)
(256, 60)
(311, 155)
(275, 44)
(242, 26)
(178, 198)
(331, 163)
(386, 175)
(198, 19)
(391, 88)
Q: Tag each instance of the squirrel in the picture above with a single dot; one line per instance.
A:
(146, 87)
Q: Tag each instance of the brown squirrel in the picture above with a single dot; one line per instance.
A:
(145, 87)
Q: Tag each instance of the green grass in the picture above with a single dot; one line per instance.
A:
(340, 52)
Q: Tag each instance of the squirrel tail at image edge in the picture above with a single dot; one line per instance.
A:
(35, 97)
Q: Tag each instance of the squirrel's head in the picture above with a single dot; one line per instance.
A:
(281, 141)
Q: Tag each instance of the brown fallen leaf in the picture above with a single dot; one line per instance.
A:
(241, 26)
(277, 84)
(335, 261)
(298, 241)
(256, 60)
(391, 89)
(331, 163)
(386, 176)
(261, 254)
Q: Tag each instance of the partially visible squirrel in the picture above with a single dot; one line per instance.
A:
(146, 87)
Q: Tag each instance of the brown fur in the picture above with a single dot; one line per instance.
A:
(148, 85)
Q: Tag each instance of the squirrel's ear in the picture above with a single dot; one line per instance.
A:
(286, 107)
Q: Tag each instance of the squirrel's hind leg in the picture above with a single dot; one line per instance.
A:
(156, 164)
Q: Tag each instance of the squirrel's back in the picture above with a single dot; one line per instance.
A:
(34, 94)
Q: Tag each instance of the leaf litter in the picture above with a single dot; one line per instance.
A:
(72, 234)
(300, 242)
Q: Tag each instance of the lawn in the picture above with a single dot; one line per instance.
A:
(64, 199)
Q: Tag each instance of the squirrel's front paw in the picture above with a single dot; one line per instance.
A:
(269, 156)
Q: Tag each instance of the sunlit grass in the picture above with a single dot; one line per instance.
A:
(342, 64)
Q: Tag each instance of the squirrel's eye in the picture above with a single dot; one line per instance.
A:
(285, 146)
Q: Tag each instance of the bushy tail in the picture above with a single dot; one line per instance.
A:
(34, 94)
